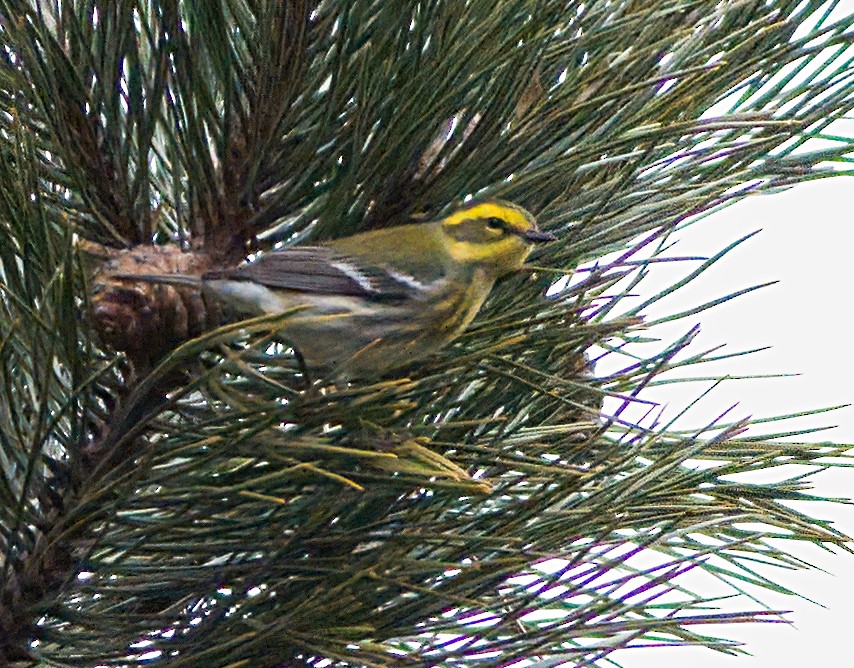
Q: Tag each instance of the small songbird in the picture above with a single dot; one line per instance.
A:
(379, 300)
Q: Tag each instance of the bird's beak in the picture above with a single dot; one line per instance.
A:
(538, 237)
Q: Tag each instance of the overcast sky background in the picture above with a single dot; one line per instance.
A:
(806, 243)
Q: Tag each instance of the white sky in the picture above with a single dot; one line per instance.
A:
(807, 243)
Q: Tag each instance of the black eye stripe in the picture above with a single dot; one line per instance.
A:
(483, 229)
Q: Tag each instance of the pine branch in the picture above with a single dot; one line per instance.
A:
(202, 504)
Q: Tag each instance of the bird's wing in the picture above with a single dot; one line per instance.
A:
(321, 270)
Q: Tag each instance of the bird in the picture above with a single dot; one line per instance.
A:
(377, 301)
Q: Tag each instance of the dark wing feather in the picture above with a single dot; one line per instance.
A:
(318, 269)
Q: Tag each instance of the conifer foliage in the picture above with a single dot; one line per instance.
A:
(178, 493)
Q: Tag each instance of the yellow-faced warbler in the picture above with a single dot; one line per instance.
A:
(378, 300)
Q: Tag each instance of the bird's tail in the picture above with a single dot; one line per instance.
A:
(187, 280)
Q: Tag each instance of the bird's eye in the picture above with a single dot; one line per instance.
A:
(495, 224)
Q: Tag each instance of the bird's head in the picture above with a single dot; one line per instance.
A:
(496, 235)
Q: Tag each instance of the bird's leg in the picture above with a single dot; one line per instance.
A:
(303, 367)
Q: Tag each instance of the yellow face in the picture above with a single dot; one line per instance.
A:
(495, 234)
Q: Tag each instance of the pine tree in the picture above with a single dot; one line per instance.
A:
(180, 492)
